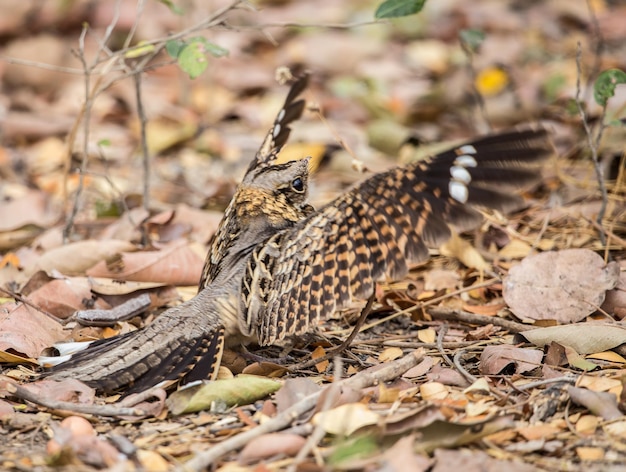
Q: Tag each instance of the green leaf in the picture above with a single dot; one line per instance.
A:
(174, 47)
(211, 48)
(172, 6)
(397, 8)
(215, 50)
(192, 59)
(604, 87)
(353, 449)
(106, 209)
(104, 142)
(241, 390)
(472, 38)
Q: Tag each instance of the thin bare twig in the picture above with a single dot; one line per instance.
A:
(69, 224)
(484, 125)
(481, 320)
(457, 364)
(345, 344)
(145, 158)
(598, 39)
(99, 410)
(440, 335)
(593, 143)
(420, 306)
(27, 302)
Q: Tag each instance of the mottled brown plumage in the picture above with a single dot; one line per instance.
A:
(276, 266)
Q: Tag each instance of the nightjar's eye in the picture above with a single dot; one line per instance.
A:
(297, 185)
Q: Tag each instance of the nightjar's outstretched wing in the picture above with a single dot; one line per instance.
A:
(375, 230)
(279, 133)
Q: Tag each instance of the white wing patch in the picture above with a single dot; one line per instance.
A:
(460, 174)
(458, 191)
(468, 149)
(465, 161)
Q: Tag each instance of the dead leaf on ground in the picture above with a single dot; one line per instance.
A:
(62, 297)
(602, 404)
(475, 461)
(585, 338)
(494, 359)
(26, 330)
(346, 419)
(67, 390)
(76, 258)
(552, 286)
(176, 264)
(294, 390)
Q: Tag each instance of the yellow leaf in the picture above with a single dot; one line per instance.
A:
(516, 249)
(464, 251)
(390, 354)
(609, 356)
(386, 394)
(433, 391)
(590, 453)
(151, 460)
(140, 50)
(587, 425)
(491, 81)
(320, 352)
(598, 384)
(297, 151)
(427, 335)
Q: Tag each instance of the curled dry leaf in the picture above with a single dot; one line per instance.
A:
(30, 209)
(390, 354)
(565, 286)
(402, 456)
(494, 359)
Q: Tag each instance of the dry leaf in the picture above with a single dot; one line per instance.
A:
(494, 359)
(553, 286)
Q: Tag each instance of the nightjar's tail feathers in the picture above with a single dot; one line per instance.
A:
(377, 229)
(185, 342)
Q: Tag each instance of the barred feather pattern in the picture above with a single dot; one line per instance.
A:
(376, 230)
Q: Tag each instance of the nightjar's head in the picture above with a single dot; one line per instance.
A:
(275, 193)
(288, 181)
